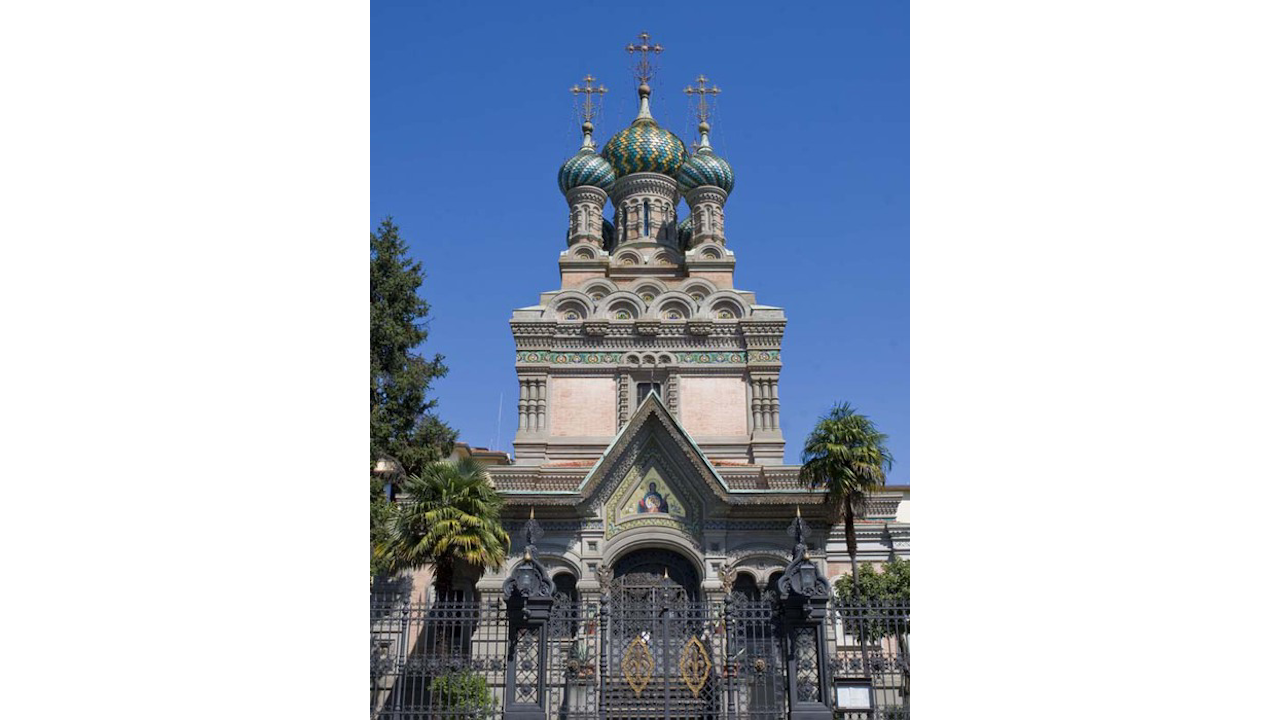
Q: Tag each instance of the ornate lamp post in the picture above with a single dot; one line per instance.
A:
(803, 594)
(528, 592)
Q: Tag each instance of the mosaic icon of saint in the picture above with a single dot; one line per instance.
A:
(652, 502)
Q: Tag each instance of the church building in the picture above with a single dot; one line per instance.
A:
(649, 441)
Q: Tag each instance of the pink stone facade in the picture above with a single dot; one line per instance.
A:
(719, 279)
(583, 406)
(713, 406)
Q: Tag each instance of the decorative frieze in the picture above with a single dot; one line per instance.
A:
(557, 526)
(573, 358)
(597, 358)
(639, 344)
(627, 329)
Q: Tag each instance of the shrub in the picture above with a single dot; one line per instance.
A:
(461, 690)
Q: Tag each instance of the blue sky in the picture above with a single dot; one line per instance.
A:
(471, 119)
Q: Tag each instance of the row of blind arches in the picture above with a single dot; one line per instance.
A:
(649, 300)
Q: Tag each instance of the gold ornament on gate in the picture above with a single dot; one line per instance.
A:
(695, 666)
(637, 665)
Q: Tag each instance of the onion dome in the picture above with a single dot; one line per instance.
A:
(684, 232)
(586, 168)
(644, 146)
(704, 167)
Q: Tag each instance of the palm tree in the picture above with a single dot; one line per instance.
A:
(846, 455)
(450, 515)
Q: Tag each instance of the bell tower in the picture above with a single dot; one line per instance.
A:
(647, 303)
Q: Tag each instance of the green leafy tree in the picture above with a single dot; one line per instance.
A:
(846, 456)
(381, 513)
(448, 515)
(891, 584)
(402, 424)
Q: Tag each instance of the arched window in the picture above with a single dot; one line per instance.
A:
(646, 218)
(624, 222)
(564, 607)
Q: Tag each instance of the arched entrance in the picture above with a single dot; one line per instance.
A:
(658, 640)
(639, 575)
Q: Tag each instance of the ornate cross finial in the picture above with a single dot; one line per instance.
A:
(532, 533)
(702, 91)
(587, 108)
(799, 529)
(644, 69)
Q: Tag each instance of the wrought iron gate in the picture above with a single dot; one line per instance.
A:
(447, 660)
(665, 655)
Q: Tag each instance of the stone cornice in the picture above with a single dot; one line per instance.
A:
(646, 183)
(706, 193)
(698, 357)
(694, 263)
(724, 343)
(587, 193)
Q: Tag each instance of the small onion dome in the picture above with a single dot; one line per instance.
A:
(684, 232)
(586, 168)
(607, 232)
(644, 146)
(705, 167)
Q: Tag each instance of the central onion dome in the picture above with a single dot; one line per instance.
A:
(644, 146)
(705, 167)
(586, 167)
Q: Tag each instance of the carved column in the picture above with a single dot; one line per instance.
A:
(623, 410)
(773, 404)
(531, 409)
(803, 594)
(755, 406)
(528, 592)
(522, 407)
(540, 394)
(672, 394)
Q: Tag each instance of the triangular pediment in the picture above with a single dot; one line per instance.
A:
(653, 474)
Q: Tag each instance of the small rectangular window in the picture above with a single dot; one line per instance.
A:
(643, 390)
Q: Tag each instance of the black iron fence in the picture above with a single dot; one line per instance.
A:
(443, 660)
(687, 660)
(870, 659)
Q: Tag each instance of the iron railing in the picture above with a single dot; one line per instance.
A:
(445, 660)
(870, 655)
(448, 660)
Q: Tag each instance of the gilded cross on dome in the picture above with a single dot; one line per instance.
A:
(644, 68)
(702, 91)
(587, 107)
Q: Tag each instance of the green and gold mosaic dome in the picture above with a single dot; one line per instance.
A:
(586, 168)
(705, 168)
(645, 147)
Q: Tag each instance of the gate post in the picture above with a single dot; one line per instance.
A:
(803, 594)
(528, 592)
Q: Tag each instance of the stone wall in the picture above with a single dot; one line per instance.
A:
(713, 406)
(583, 406)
